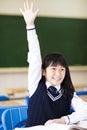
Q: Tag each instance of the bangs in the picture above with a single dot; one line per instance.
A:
(54, 60)
(55, 63)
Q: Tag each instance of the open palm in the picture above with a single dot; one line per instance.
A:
(28, 13)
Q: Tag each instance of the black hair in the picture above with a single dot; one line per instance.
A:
(55, 59)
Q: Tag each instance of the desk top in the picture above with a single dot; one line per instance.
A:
(12, 91)
(84, 97)
(11, 103)
(80, 87)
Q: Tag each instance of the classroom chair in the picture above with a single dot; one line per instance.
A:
(27, 100)
(81, 92)
(2, 109)
(14, 117)
(3, 98)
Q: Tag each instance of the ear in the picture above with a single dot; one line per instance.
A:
(43, 72)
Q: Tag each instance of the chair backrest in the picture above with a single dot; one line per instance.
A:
(2, 109)
(3, 98)
(27, 100)
(81, 92)
(13, 116)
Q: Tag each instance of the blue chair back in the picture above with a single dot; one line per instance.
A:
(81, 92)
(3, 98)
(14, 117)
(27, 100)
(2, 109)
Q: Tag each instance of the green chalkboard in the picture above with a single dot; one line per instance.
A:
(64, 35)
(13, 44)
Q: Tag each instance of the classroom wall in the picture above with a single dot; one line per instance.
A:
(17, 77)
(73, 9)
(57, 8)
(61, 22)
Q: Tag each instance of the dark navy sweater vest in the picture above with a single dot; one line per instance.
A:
(41, 108)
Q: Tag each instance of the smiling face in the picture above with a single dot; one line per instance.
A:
(54, 74)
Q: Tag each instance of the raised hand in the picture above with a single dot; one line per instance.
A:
(28, 13)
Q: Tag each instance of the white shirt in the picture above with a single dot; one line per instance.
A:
(35, 74)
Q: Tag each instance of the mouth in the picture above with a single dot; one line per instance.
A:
(57, 79)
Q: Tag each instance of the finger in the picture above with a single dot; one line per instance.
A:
(25, 8)
(21, 11)
(37, 11)
(31, 6)
(27, 4)
(46, 123)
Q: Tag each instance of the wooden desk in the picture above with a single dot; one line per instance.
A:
(79, 87)
(84, 97)
(12, 91)
(11, 103)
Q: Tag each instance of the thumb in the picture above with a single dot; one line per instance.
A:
(21, 11)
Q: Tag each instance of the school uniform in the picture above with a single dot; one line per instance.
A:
(42, 106)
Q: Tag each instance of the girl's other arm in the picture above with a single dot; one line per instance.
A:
(80, 108)
(80, 114)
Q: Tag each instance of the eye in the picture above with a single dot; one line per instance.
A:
(62, 69)
(53, 68)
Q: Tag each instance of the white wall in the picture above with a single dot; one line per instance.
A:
(79, 75)
(13, 77)
(54, 8)
(17, 77)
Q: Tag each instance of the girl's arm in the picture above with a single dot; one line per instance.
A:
(80, 108)
(34, 56)
(80, 114)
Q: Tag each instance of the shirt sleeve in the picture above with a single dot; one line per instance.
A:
(34, 60)
(80, 108)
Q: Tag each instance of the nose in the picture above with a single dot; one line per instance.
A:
(57, 73)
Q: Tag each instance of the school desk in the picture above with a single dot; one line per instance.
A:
(12, 91)
(11, 103)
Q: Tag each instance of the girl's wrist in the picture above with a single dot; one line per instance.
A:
(30, 23)
(67, 120)
(63, 120)
(60, 120)
(29, 27)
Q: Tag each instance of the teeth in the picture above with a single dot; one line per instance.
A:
(56, 79)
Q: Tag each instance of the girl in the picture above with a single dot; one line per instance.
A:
(47, 104)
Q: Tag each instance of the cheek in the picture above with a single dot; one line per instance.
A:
(63, 74)
(48, 74)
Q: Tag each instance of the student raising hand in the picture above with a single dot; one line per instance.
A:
(28, 13)
(51, 91)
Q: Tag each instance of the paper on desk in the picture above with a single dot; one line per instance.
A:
(48, 127)
(82, 125)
